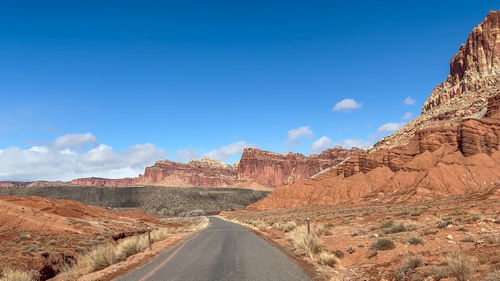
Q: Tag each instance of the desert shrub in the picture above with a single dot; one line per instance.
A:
(443, 223)
(18, 275)
(492, 239)
(462, 228)
(259, 224)
(289, 226)
(469, 239)
(328, 259)
(130, 247)
(400, 227)
(24, 237)
(308, 243)
(328, 225)
(338, 253)
(383, 244)
(461, 266)
(416, 241)
(408, 267)
(494, 276)
(387, 224)
(103, 257)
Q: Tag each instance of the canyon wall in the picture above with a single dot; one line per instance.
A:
(273, 169)
(452, 148)
(257, 169)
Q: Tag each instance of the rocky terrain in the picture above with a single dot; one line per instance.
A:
(162, 201)
(257, 169)
(44, 234)
(452, 148)
(451, 238)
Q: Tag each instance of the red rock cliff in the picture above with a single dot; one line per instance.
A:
(474, 77)
(273, 169)
(452, 148)
(197, 173)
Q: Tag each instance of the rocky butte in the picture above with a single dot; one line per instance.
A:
(451, 148)
(257, 169)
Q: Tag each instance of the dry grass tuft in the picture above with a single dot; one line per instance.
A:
(308, 243)
(328, 259)
(18, 275)
(408, 267)
(383, 244)
(286, 227)
(461, 266)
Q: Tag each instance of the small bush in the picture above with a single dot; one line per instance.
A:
(103, 257)
(416, 241)
(383, 244)
(308, 243)
(289, 226)
(328, 259)
(19, 275)
(407, 268)
(469, 239)
(399, 228)
(387, 224)
(443, 223)
(130, 247)
(461, 266)
(338, 253)
(492, 239)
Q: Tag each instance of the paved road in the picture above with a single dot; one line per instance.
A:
(222, 252)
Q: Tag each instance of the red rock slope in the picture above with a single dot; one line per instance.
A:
(439, 154)
(45, 234)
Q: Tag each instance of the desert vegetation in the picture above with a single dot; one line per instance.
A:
(410, 241)
(160, 201)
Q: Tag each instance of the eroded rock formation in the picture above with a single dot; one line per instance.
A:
(474, 77)
(452, 148)
(273, 169)
(258, 169)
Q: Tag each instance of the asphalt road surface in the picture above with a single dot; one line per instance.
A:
(222, 252)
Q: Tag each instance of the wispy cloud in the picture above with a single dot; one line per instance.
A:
(390, 127)
(187, 154)
(321, 144)
(355, 142)
(226, 152)
(347, 104)
(407, 116)
(63, 159)
(298, 133)
(409, 101)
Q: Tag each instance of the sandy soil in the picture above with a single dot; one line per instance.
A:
(432, 230)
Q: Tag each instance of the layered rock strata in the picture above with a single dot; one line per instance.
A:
(452, 148)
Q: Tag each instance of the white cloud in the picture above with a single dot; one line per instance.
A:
(346, 105)
(408, 115)
(226, 152)
(75, 141)
(60, 161)
(356, 142)
(187, 154)
(321, 144)
(409, 101)
(390, 127)
(295, 134)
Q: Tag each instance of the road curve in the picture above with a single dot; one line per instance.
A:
(224, 251)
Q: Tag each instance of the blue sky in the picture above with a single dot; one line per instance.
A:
(125, 83)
